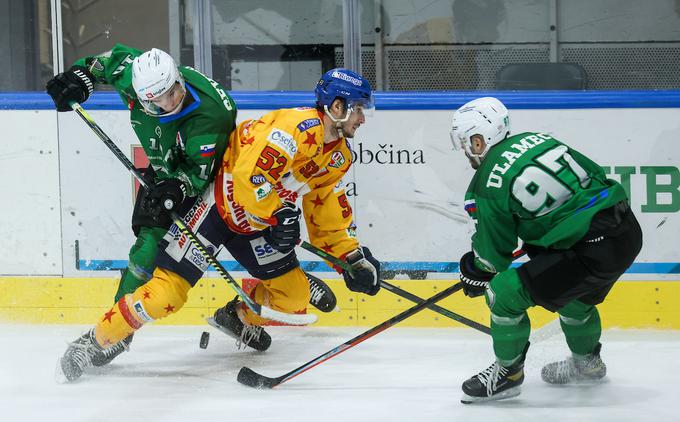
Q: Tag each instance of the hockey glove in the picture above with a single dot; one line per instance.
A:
(165, 196)
(366, 269)
(76, 84)
(475, 281)
(285, 233)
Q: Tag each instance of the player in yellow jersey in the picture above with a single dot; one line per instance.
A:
(272, 163)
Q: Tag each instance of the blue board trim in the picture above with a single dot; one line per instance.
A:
(393, 100)
(427, 266)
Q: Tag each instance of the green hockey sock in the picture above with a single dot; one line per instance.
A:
(581, 326)
(140, 261)
(510, 326)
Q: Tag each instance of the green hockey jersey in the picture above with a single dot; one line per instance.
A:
(187, 145)
(536, 188)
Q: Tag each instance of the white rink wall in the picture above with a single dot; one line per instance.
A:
(60, 184)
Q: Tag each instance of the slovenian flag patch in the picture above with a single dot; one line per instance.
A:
(207, 150)
(471, 208)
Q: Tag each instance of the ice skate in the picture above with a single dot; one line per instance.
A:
(110, 353)
(78, 357)
(320, 295)
(496, 382)
(227, 320)
(576, 369)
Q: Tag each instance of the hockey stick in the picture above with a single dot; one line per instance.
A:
(247, 376)
(397, 291)
(263, 311)
(545, 332)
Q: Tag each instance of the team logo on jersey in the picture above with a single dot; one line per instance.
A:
(337, 160)
(263, 191)
(207, 150)
(257, 179)
(352, 230)
(283, 140)
(158, 131)
(308, 124)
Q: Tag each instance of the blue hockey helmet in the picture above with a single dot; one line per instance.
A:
(345, 84)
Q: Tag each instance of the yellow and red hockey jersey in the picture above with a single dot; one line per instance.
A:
(278, 158)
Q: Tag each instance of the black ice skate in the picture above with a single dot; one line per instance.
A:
(110, 353)
(78, 357)
(576, 369)
(495, 382)
(320, 295)
(226, 320)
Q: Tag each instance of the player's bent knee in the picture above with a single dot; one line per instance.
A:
(506, 294)
(161, 296)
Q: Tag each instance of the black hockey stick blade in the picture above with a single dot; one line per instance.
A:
(247, 376)
(250, 378)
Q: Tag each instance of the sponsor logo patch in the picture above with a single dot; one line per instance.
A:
(283, 140)
(197, 258)
(141, 312)
(263, 251)
(346, 77)
(307, 124)
(337, 160)
(257, 179)
(263, 191)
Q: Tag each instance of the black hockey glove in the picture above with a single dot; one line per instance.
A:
(285, 234)
(475, 281)
(366, 270)
(165, 196)
(76, 84)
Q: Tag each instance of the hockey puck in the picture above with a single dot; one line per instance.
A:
(205, 338)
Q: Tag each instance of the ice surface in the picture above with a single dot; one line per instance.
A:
(403, 374)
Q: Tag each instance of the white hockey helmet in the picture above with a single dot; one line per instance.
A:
(485, 116)
(153, 74)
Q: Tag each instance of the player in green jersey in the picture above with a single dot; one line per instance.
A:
(182, 119)
(575, 225)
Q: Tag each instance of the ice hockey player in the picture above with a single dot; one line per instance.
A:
(251, 211)
(183, 120)
(577, 229)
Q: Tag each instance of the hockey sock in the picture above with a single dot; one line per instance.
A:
(581, 326)
(286, 293)
(510, 327)
(140, 260)
(161, 296)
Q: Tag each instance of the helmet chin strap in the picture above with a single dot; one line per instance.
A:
(338, 122)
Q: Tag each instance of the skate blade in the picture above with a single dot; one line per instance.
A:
(211, 322)
(59, 375)
(507, 394)
(579, 381)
